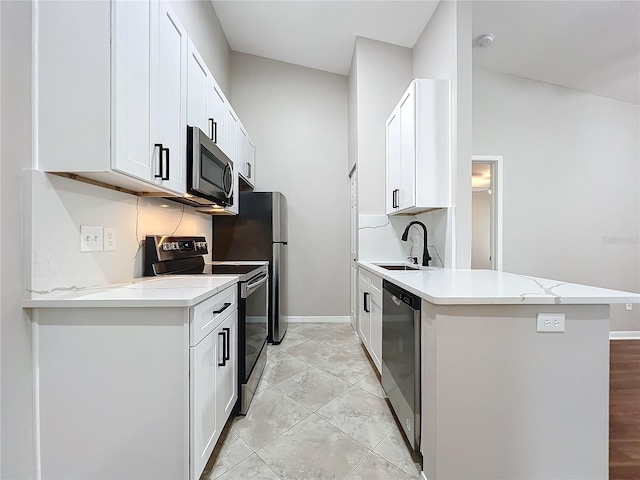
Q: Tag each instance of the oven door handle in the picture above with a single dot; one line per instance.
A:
(262, 279)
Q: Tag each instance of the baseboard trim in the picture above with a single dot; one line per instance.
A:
(632, 335)
(318, 319)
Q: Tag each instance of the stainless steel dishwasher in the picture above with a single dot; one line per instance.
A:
(401, 357)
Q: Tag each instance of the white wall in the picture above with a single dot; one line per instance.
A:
(16, 456)
(571, 182)
(298, 118)
(383, 74)
(59, 207)
(444, 51)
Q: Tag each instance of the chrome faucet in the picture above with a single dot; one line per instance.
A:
(425, 251)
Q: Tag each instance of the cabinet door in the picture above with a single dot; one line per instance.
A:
(227, 371)
(251, 162)
(364, 310)
(376, 331)
(217, 111)
(168, 94)
(407, 195)
(132, 150)
(393, 161)
(204, 430)
(231, 137)
(197, 92)
(243, 141)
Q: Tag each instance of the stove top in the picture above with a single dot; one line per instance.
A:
(182, 255)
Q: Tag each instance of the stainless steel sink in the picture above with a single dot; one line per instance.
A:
(398, 267)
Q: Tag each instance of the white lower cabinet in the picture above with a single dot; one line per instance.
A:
(370, 314)
(131, 393)
(213, 389)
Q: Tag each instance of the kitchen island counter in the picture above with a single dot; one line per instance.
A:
(445, 286)
(520, 396)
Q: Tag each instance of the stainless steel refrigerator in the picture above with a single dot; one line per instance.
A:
(259, 232)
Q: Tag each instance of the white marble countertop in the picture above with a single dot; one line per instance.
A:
(170, 291)
(443, 286)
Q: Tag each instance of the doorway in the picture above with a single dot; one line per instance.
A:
(486, 228)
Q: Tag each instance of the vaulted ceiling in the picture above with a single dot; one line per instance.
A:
(590, 45)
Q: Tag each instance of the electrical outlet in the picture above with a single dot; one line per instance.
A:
(109, 239)
(91, 238)
(550, 322)
(629, 306)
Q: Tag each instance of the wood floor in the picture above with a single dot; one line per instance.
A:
(624, 410)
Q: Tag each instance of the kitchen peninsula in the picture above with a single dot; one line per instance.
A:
(500, 398)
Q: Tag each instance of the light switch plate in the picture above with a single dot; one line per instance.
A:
(550, 322)
(91, 238)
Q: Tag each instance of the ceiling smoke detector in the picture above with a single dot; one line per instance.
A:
(486, 40)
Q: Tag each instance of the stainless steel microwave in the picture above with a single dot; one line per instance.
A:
(209, 170)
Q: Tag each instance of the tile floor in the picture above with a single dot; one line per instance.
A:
(319, 413)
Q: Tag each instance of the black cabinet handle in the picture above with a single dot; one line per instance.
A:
(227, 350)
(224, 307)
(394, 198)
(168, 163)
(366, 302)
(214, 130)
(248, 170)
(164, 174)
(161, 149)
(224, 349)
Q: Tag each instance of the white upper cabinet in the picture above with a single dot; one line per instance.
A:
(112, 93)
(133, 151)
(251, 162)
(246, 156)
(418, 137)
(169, 94)
(198, 90)
(206, 104)
(217, 112)
(231, 136)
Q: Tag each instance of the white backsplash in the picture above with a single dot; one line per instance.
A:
(60, 206)
(380, 237)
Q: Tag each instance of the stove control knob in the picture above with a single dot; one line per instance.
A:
(166, 247)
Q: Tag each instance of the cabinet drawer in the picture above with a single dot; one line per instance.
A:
(376, 285)
(207, 315)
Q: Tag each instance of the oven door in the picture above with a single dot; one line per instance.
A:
(254, 296)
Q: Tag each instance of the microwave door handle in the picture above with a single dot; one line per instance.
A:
(228, 175)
